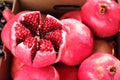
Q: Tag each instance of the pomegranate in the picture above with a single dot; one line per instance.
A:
(72, 14)
(32, 40)
(7, 13)
(20, 71)
(100, 66)
(79, 47)
(39, 42)
(102, 17)
(67, 72)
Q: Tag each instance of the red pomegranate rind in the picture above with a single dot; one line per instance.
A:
(29, 44)
(16, 66)
(45, 73)
(46, 54)
(103, 19)
(100, 63)
(42, 58)
(7, 13)
(5, 36)
(20, 71)
(75, 14)
(79, 42)
(67, 72)
(6, 31)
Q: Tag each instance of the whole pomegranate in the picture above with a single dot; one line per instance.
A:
(20, 71)
(103, 17)
(79, 47)
(100, 66)
(75, 14)
(39, 42)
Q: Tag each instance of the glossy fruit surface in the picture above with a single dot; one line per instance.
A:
(102, 17)
(100, 66)
(79, 42)
(20, 71)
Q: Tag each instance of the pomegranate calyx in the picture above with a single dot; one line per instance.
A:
(103, 9)
(112, 69)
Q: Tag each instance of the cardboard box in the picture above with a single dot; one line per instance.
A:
(49, 6)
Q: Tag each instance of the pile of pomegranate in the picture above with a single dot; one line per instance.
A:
(77, 46)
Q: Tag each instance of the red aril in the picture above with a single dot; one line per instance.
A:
(103, 17)
(100, 66)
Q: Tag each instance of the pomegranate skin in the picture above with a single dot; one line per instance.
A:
(100, 66)
(67, 72)
(20, 71)
(102, 17)
(78, 45)
(5, 34)
(75, 14)
(7, 13)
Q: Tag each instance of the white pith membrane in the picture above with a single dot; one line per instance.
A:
(23, 52)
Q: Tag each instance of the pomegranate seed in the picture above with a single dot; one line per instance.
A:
(21, 32)
(30, 42)
(55, 37)
(31, 20)
(51, 24)
(46, 45)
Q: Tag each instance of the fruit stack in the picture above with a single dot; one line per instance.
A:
(79, 45)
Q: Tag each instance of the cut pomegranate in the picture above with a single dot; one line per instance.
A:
(32, 40)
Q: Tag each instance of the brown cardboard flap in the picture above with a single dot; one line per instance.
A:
(48, 6)
(5, 65)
